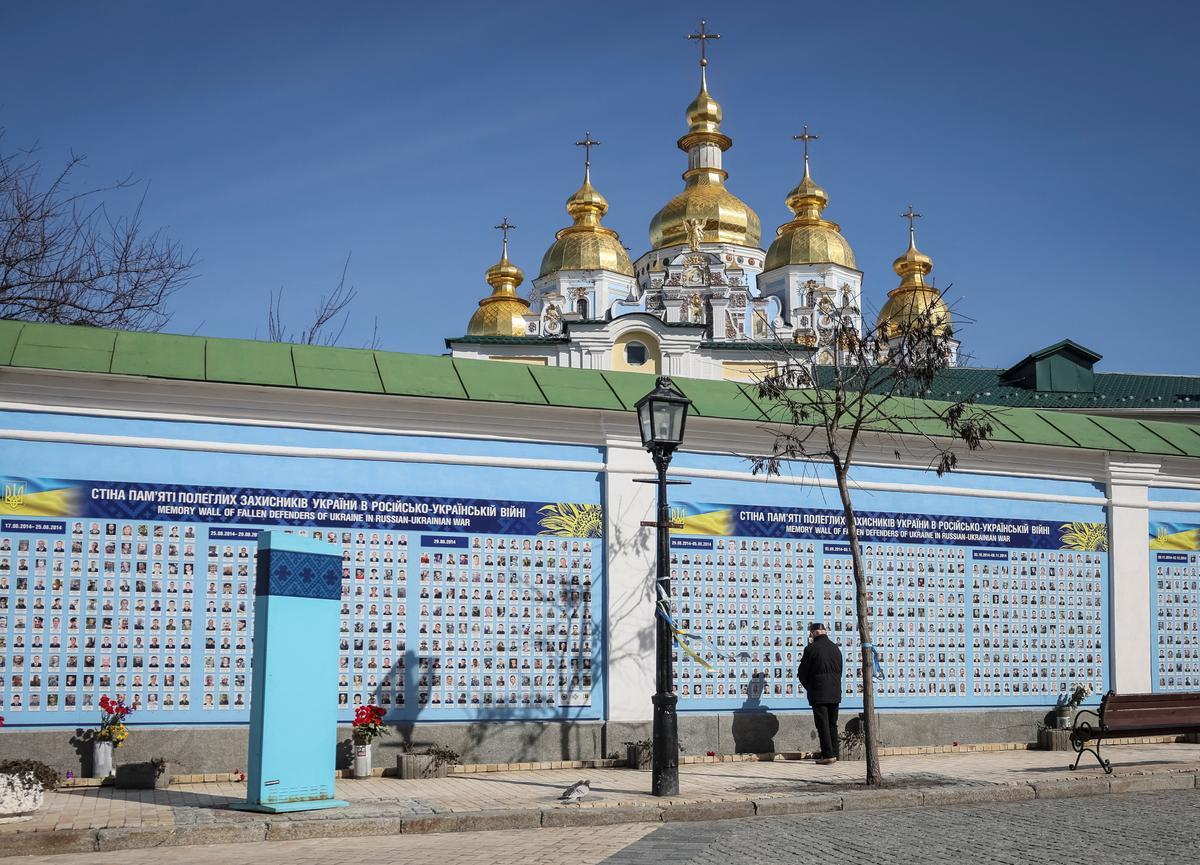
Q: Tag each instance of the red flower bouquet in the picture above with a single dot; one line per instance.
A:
(368, 724)
(112, 721)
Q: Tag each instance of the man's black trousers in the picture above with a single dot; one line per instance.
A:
(825, 716)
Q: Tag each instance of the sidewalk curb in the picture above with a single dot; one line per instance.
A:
(275, 829)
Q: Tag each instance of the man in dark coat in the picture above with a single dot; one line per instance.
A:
(821, 675)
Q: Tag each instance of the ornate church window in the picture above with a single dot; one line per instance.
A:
(581, 307)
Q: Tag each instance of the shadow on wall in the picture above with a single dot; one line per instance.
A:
(754, 725)
(82, 742)
(557, 737)
(400, 739)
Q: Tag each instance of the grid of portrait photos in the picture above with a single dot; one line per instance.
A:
(1176, 596)
(1038, 622)
(751, 600)
(371, 661)
(951, 624)
(505, 622)
(94, 608)
(162, 614)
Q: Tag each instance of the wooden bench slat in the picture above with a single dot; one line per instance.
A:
(1132, 715)
(1178, 712)
(1122, 700)
(1134, 732)
(1147, 714)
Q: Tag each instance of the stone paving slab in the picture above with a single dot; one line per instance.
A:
(105, 819)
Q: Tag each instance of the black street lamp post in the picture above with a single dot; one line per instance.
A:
(661, 417)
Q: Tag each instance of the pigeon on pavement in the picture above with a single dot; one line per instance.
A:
(576, 792)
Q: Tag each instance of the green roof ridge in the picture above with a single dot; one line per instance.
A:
(240, 361)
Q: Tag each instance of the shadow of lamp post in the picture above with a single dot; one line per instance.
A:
(661, 417)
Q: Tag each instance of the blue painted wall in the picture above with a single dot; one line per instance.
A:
(131, 627)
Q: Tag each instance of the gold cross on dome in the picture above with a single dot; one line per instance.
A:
(703, 36)
(910, 215)
(505, 227)
(587, 144)
(806, 137)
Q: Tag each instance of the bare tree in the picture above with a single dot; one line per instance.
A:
(64, 258)
(328, 321)
(872, 385)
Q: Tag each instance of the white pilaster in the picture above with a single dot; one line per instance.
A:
(1129, 481)
(630, 552)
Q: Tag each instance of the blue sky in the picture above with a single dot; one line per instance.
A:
(1050, 146)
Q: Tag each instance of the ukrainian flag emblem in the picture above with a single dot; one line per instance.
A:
(1174, 536)
(14, 495)
(39, 497)
(691, 518)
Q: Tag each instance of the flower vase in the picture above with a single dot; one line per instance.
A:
(102, 759)
(362, 759)
(1064, 717)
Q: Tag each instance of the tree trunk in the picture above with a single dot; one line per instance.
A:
(871, 739)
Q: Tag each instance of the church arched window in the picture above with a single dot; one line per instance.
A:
(581, 307)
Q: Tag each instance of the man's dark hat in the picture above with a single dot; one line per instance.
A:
(816, 626)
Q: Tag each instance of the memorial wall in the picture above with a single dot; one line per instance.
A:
(486, 606)
(975, 601)
(1175, 594)
(477, 583)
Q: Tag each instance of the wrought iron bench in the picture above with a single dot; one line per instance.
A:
(1126, 715)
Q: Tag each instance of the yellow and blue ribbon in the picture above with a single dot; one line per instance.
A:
(682, 637)
(877, 672)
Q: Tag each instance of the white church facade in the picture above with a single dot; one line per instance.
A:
(706, 300)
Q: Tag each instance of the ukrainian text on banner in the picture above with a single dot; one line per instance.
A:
(966, 610)
(761, 521)
(452, 608)
(1174, 600)
(38, 497)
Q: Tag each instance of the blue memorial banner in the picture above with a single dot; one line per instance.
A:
(759, 521)
(258, 506)
(1174, 600)
(966, 610)
(450, 608)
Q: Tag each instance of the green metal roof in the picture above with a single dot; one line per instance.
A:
(1061, 376)
(237, 361)
(1111, 391)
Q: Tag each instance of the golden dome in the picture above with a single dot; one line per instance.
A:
(586, 245)
(808, 244)
(725, 217)
(913, 301)
(502, 312)
(809, 238)
(704, 114)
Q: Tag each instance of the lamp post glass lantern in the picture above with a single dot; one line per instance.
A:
(662, 414)
(661, 417)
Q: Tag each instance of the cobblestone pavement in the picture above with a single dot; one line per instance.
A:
(85, 808)
(1136, 829)
(583, 846)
